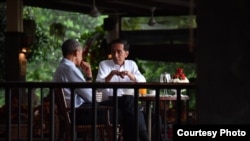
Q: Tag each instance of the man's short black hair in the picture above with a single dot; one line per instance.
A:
(121, 41)
(69, 46)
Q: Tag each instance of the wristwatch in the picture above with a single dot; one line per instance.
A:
(88, 78)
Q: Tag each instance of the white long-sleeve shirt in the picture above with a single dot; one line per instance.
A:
(106, 66)
(68, 72)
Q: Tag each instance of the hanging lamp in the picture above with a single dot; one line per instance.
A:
(94, 11)
(152, 20)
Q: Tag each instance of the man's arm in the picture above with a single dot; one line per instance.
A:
(138, 77)
(86, 68)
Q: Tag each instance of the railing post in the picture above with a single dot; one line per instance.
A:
(115, 114)
(73, 114)
(52, 111)
(136, 99)
(157, 115)
(94, 115)
(178, 107)
(8, 95)
(30, 115)
(42, 113)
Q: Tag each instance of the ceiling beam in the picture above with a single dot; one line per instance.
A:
(128, 7)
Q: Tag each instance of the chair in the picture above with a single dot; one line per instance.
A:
(104, 131)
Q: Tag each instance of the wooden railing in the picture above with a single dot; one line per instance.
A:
(14, 129)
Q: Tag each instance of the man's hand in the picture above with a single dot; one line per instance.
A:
(86, 68)
(131, 76)
(122, 74)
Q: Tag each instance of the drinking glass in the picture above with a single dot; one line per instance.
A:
(165, 78)
(142, 91)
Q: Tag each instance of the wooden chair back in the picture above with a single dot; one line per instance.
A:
(105, 130)
(63, 112)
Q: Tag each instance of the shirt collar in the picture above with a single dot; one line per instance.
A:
(67, 61)
(122, 66)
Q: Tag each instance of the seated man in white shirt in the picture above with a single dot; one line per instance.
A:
(118, 69)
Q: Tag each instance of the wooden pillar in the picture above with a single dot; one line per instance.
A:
(112, 30)
(15, 63)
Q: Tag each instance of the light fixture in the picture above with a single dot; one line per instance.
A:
(152, 20)
(94, 11)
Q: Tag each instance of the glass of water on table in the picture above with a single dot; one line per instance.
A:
(165, 78)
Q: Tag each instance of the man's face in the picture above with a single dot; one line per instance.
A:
(78, 56)
(118, 53)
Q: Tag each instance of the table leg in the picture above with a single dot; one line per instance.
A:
(164, 119)
(178, 107)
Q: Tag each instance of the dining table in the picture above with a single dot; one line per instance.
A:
(150, 100)
(154, 101)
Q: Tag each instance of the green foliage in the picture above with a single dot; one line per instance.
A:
(53, 27)
(165, 22)
(2, 42)
(2, 39)
(2, 97)
(153, 69)
(37, 48)
(96, 48)
(44, 51)
(57, 29)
